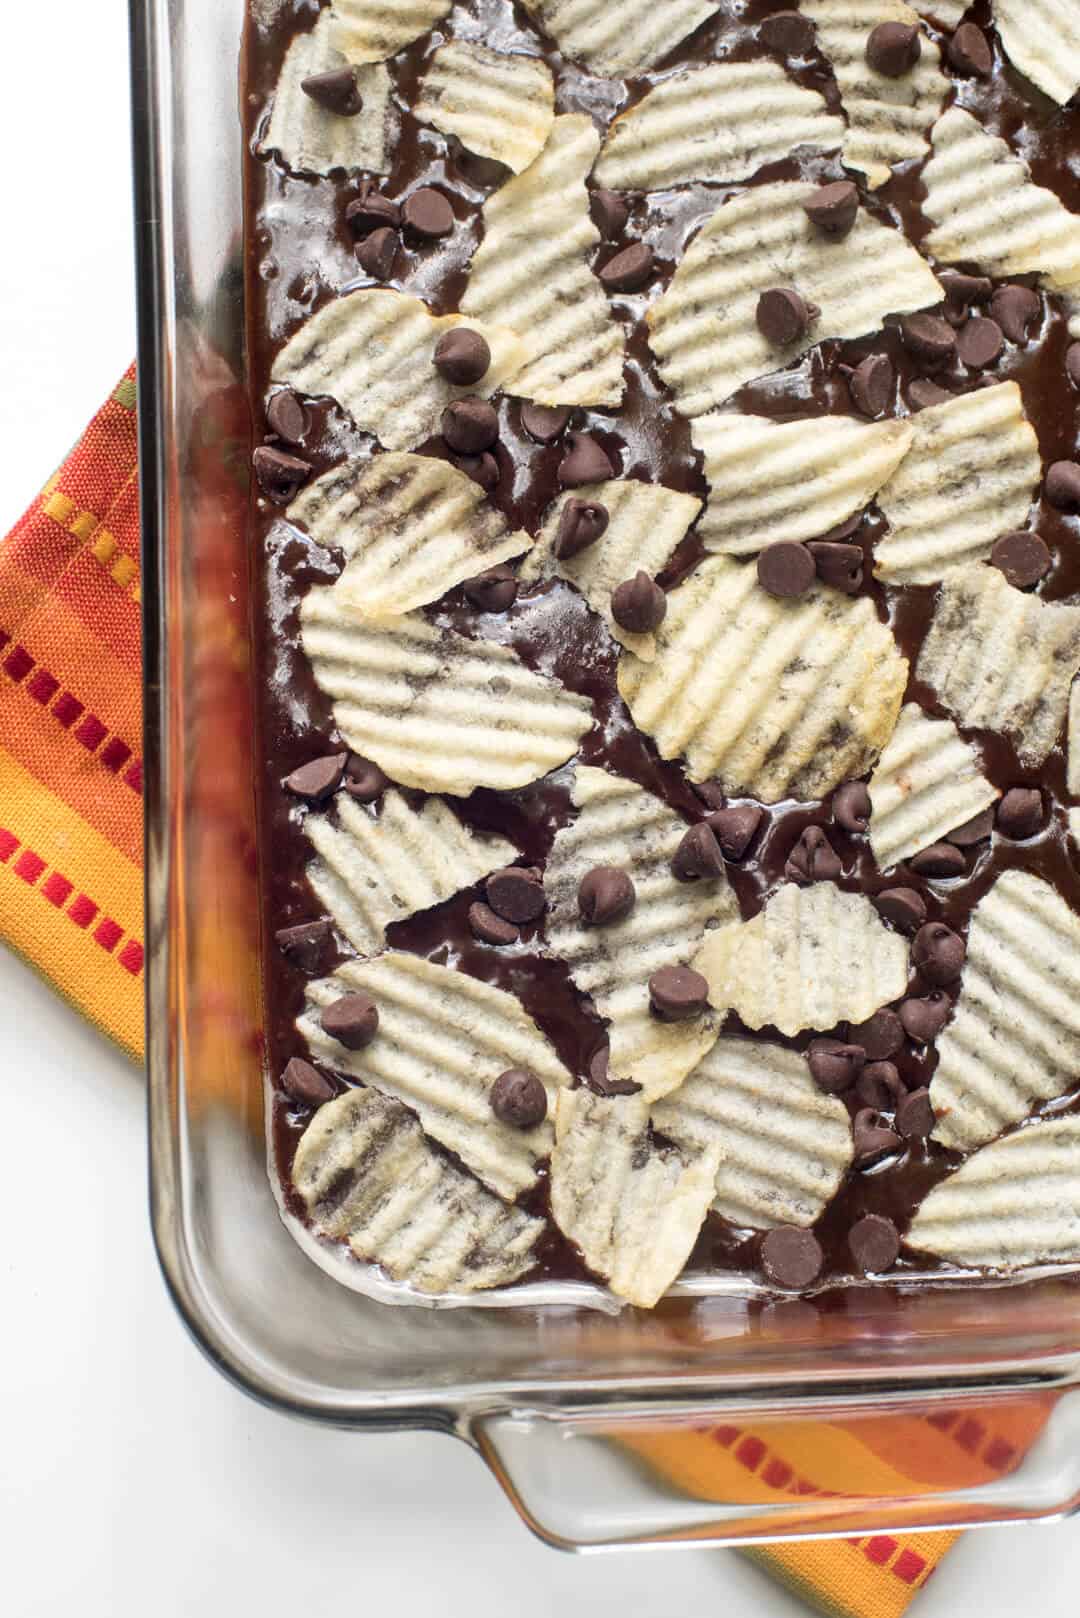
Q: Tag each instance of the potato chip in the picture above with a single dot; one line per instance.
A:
(946, 13)
(1015, 1037)
(1015, 1204)
(1002, 660)
(619, 823)
(814, 957)
(443, 1040)
(786, 1146)
(372, 870)
(774, 698)
(703, 329)
(927, 783)
(969, 476)
(434, 710)
(312, 140)
(632, 1207)
(1042, 39)
(371, 350)
(718, 123)
(618, 37)
(372, 30)
(531, 273)
(497, 105)
(794, 480)
(645, 524)
(369, 1177)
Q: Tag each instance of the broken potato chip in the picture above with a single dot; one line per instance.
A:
(1042, 39)
(618, 37)
(311, 140)
(499, 106)
(927, 783)
(373, 30)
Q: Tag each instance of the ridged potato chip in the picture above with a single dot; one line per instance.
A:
(1042, 39)
(497, 105)
(312, 140)
(927, 783)
(618, 37)
(372, 30)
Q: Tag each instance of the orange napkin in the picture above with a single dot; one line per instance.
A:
(71, 904)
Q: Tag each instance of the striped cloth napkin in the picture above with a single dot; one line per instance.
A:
(71, 904)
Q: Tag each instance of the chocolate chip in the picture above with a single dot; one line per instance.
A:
(489, 928)
(302, 945)
(915, 1115)
(1023, 557)
(979, 342)
(734, 827)
(788, 32)
(470, 425)
(1062, 486)
(353, 1020)
(629, 269)
(462, 356)
(1020, 813)
(840, 530)
(279, 475)
(839, 566)
(711, 793)
(316, 780)
(584, 462)
(376, 253)
(428, 214)
(698, 855)
(371, 211)
(931, 339)
(544, 422)
(678, 993)
(924, 1018)
(832, 208)
(813, 858)
(791, 1257)
(287, 416)
(938, 953)
(638, 605)
(939, 860)
(880, 1086)
(874, 1244)
(516, 895)
(519, 1099)
(968, 51)
(1015, 308)
(786, 568)
(783, 316)
(581, 523)
(871, 385)
(605, 895)
(610, 212)
(904, 907)
(893, 48)
(833, 1065)
(364, 780)
(336, 91)
(975, 830)
(493, 591)
(872, 1137)
(483, 469)
(880, 1036)
(304, 1083)
(923, 394)
(1072, 364)
(602, 1083)
(961, 290)
(851, 806)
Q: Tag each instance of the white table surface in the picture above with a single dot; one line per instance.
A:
(133, 1479)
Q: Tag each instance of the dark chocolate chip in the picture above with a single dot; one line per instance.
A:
(1062, 486)
(698, 855)
(833, 1065)
(364, 780)
(893, 48)
(975, 830)
(470, 425)
(371, 211)
(483, 469)
(880, 1036)
(493, 591)
(376, 253)
(872, 1137)
(786, 568)
(915, 1115)
(544, 422)
(630, 269)
(303, 944)
(428, 214)
(462, 356)
(711, 793)
(304, 1083)
(840, 530)
(922, 394)
(610, 212)
(1015, 309)
(874, 1244)
(979, 342)
(287, 416)
(638, 605)
(516, 895)
(519, 1099)
(788, 32)
(924, 1018)
(938, 953)
(939, 860)
(904, 907)
(316, 780)
(735, 827)
(931, 339)
(584, 462)
(1020, 813)
(581, 524)
(813, 858)
(851, 806)
(353, 1020)
(968, 51)
(1072, 364)
(489, 928)
(791, 1257)
(832, 208)
(838, 566)
(871, 385)
(678, 993)
(336, 91)
(880, 1086)
(278, 475)
(961, 290)
(783, 316)
(600, 1080)
(1023, 557)
(605, 895)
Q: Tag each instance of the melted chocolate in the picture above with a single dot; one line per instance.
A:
(300, 254)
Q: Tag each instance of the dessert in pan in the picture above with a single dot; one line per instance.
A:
(669, 608)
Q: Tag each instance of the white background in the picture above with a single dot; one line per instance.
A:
(132, 1478)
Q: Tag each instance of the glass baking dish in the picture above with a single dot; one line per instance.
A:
(587, 1419)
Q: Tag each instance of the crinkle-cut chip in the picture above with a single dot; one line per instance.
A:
(771, 481)
(369, 1177)
(371, 870)
(411, 527)
(433, 709)
(443, 1040)
(786, 1146)
(1014, 1039)
(1042, 39)
(619, 823)
(314, 141)
(497, 105)
(1014, 1205)
(646, 523)
(1073, 781)
(703, 329)
(1002, 660)
(814, 957)
(632, 1207)
(718, 123)
(371, 350)
(618, 38)
(946, 13)
(372, 30)
(927, 783)
(530, 273)
(969, 476)
(987, 210)
(888, 119)
(773, 698)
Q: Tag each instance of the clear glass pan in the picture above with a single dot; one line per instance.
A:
(578, 1413)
